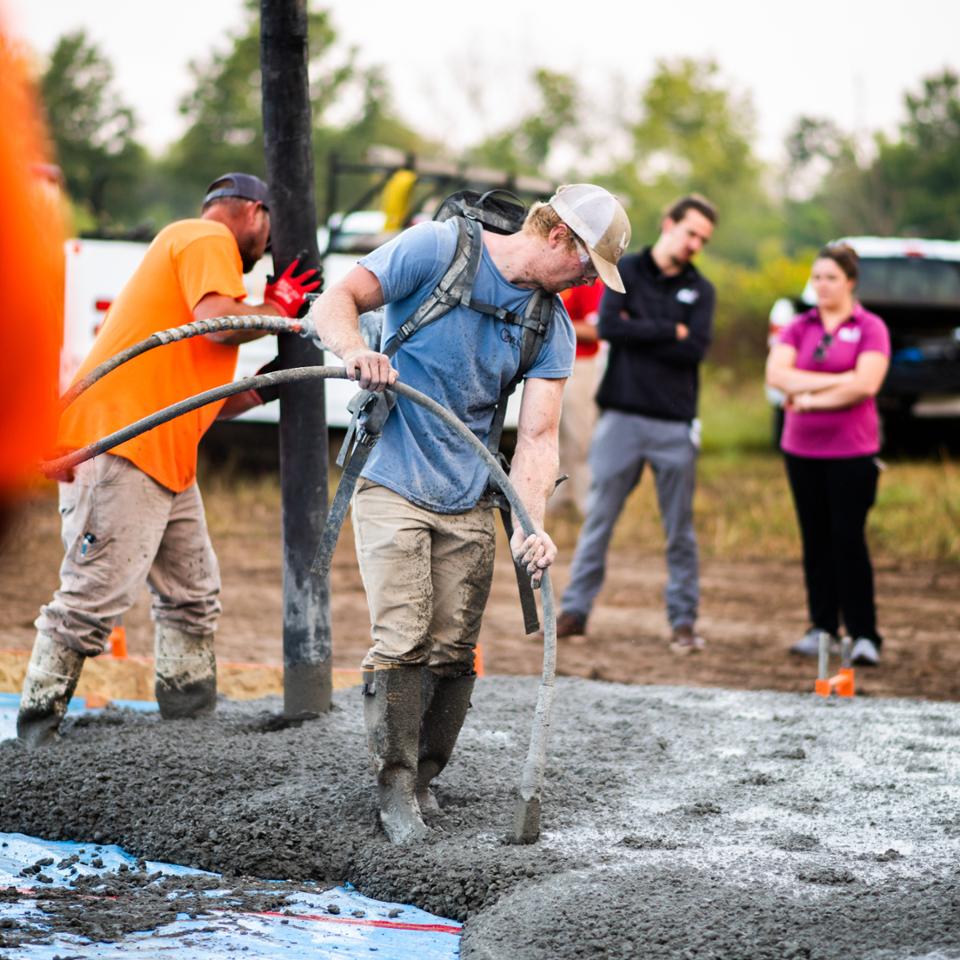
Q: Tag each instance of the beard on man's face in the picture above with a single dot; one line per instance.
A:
(251, 250)
(248, 259)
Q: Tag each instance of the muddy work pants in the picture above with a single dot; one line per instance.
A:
(121, 528)
(427, 577)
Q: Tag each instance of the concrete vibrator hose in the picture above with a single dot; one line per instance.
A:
(197, 328)
(525, 826)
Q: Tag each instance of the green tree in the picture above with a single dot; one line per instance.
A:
(690, 133)
(823, 183)
(93, 132)
(908, 186)
(920, 172)
(524, 147)
(224, 110)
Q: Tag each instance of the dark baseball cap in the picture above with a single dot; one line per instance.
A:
(243, 185)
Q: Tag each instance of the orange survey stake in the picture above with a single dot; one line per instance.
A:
(842, 683)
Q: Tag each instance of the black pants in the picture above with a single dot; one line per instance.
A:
(832, 497)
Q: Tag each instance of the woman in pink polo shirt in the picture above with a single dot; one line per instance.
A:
(830, 362)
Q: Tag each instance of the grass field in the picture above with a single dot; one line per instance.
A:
(743, 504)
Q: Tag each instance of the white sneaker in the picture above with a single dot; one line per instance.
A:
(865, 653)
(809, 644)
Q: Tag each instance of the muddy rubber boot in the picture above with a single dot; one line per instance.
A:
(440, 727)
(52, 676)
(391, 711)
(186, 682)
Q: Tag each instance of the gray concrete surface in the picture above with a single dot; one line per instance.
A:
(676, 822)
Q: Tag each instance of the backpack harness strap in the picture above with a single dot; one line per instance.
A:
(535, 322)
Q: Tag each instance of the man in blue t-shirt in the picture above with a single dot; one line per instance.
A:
(424, 532)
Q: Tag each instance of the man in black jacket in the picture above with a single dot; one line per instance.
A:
(658, 331)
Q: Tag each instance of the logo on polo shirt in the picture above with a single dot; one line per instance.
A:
(849, 334)
(507, 337)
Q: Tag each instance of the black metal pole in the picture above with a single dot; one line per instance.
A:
(307, 676)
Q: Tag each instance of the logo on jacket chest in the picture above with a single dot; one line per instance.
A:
(688, 295)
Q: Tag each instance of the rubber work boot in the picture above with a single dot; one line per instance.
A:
(52, 676)
(446, 701)
(186, 682)
(391, 711)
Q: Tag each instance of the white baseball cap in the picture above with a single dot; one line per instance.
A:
(596, 217)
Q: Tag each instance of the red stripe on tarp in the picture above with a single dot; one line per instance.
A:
(316, 917)
(388, 924)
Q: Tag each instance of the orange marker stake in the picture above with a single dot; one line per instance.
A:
(118, 641)
(478, 661)
(842, 684)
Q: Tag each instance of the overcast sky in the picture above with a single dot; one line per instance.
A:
(851, 60)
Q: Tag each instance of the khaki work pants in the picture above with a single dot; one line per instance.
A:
(427, 577)
(121, 528)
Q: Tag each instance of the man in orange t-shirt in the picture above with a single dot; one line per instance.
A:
(135, 514)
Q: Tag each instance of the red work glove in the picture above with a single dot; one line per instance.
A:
(288, 292)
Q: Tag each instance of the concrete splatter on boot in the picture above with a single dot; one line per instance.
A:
(52, 676)
(391, 711)
(186, 682)
(443, 717)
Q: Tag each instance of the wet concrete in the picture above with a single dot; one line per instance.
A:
(676, 822)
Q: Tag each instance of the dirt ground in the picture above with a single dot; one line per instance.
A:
(750, 612)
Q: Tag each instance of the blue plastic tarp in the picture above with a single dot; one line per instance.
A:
(305, 927)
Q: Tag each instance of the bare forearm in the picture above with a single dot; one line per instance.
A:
(336, 319)
(798, 381)
(239, 403)
(586, 332)
(533, 473)
(235, 308)
(835, 398)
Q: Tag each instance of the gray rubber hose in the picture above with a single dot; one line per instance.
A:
(265, 322)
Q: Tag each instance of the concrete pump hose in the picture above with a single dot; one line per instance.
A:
(266, 322)
(526, 815)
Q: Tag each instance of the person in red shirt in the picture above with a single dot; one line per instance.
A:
(135, 514)
(579, 408)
